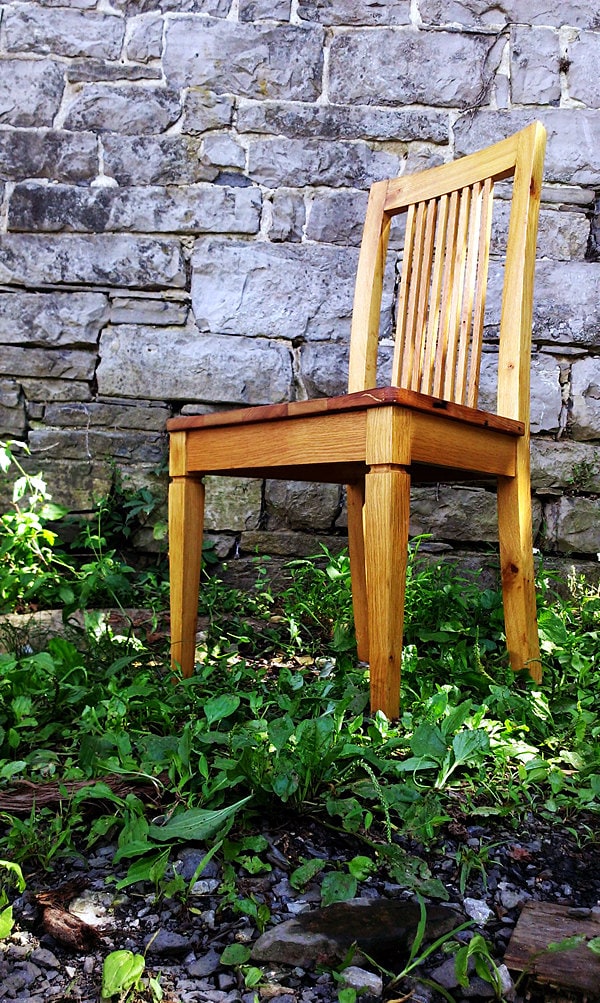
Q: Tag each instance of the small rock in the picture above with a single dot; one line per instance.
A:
(205, 886)
(45, 958)
(188, 862)
(205, 965)
(362, 980)
(167, 942)
(478, 910)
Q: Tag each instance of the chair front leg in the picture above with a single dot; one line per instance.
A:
(186, 523)
(517, 568)
(355, 495)
(387, 510)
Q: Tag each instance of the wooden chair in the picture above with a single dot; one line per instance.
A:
(425, 423)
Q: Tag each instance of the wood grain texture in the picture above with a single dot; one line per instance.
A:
(186, 523)
(543, 923)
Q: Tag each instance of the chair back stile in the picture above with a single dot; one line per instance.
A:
(441, 300)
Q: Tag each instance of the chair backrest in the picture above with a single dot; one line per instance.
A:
(441, 299)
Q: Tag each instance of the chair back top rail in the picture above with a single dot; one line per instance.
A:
(441, 300)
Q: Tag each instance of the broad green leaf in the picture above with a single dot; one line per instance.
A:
(236, 954)
(470, 746)
(252, 977)
(347, 995)
(428, 742)
(306, 872)
(9, 865)
(140, 870)
(195, 823)
(121, 971)
(337, 887)
(220, 707)
(361, 867)
(6, 922)
(279, 731)
(594, 945)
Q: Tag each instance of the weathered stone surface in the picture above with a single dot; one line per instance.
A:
(99, 259)
(573, 148)
(287, 543)
(454, 513)
(28, 28)
(584, 53)
(52, 319)
(535, 56)
(75, 483)
(203, 110)
(190, 209)
(573, 525)
(584, 419)
(562, 235)
(62, 156)
(83, 443)
(132, 110)
(420, 67)
(111, 417)
(301, 505)
(253, 289)
(154, 160)
(546, 391)
(13, 422)
(80, 71)
(148, 310)
(296, 162)
(223, 151)
(232, 503)
(182, 364)
(564, 465)
(288, 215)
(366, 12)
(342, 122)
(324, 367)
(475, 13)
(258, 10)
(262, 60)
(145, 38)
(218, 8)
(58, 363)
(30, 91)
(45, 390)
(337, 217)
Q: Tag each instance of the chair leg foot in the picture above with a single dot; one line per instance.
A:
(186, 523)
(518, 575)
(387, 508)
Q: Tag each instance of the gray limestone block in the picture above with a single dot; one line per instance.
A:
(277, 290)
(573, 525)
(29, 28)
(178, 209)
(52, 319)
(283, 61)
(573, 148)
(45, 390)
(342, 121)
(535, 57)
(80, 71)
(288, 543)
(584, 416)
(154, 160)
(232, 503)
(337, 217)
(454, 513)
(75, 483)
(13, 419)
(582, 75)
(144, 38)
(288, 215)
(546, 391)
(421, 67)
(298, 162)
(133, 110)
(204, 110)
(267, 10)
(300, 505)
(482, 13)
(363, 12)
(131, 8)
(324, 369)
(114, 417)
(98, 443)
(30, 91)
(564, 465)
(148, 310)
(61, 156)
(221, 149)
(97, 259)
(182, 364)
(57, 363)
(562, 235)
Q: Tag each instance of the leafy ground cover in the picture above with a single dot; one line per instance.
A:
(276, 718)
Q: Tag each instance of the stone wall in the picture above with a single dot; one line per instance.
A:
(183, 185)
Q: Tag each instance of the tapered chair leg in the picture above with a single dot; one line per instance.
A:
(355, 495)
(517, 570)
(186, 522)
(387, 509)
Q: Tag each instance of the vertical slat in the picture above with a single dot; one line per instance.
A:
(364, 338)
(457, 290)
(424, 294)
(447, 277)
(404, 348)
(403, 295)
(466, 314)
(433, 318)
(485, 229)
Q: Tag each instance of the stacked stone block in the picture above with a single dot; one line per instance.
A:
(183, 184)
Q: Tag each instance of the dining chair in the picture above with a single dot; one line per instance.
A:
(424, 425)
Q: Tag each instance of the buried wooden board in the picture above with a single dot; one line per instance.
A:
(544, 923)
